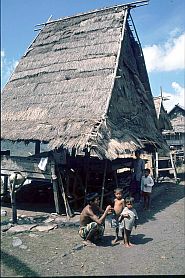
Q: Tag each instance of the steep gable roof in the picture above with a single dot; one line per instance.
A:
(65, 91)
(162, 115)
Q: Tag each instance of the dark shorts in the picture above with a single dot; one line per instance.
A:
(144, 194)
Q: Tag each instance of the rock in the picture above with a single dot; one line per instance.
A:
(33, 235)
(46, 228)
(5, 228)
(49, 220)
(16, 242)
(21, 228)
(23, 246)
(79, 246)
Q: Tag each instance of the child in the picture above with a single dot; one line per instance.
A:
(146, 188)
(129, 217)
(119, 205)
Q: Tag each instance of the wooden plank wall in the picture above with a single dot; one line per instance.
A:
(28, 166)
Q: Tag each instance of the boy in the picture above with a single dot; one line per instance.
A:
(129, 217)
(119, 204)
(146, 187)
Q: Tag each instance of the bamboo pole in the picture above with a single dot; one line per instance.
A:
(103, 184)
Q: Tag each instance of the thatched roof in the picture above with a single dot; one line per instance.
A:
(162, 115)
(177, 118)
(83, 83)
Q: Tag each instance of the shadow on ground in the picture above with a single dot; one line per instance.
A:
(17, 266)
(168, 193)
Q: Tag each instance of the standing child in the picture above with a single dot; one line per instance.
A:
(119, 204)
(146, 187)
(128, 217)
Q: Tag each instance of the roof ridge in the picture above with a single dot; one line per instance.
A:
(126, 6)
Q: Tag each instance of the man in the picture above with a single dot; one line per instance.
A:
(92, 219)
(138, 171)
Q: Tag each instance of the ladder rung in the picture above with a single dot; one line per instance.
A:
(166, 169)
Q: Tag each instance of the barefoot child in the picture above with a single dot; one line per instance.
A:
(128, 216)
(119, 205)
(146, 187)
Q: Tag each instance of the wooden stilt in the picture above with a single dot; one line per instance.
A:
(103, 184)
(5, 186)
(67, 207)
(37, 147)
(156, 166)
(86, 161)
(173, 167)
(13, 202)
(116, 178)
(55, 190)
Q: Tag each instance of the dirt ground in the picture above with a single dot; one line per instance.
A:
(158, 249)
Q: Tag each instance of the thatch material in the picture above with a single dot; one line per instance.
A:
(162, 115)
(65, 90)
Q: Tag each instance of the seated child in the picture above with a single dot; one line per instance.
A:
(128, 217)
(119, 204)
(146, 188)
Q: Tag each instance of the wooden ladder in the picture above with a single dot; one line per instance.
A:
(171, 169)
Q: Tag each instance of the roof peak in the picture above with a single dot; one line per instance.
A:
(126, 5)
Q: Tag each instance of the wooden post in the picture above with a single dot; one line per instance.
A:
(13, 201)
(156, 166)
(116, 178)
(5, 185)
(37, 147)
(103, 184)
(67, 207)
(55, 190)
(86, 160)
(173, 166)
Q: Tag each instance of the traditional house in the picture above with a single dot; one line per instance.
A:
(176, 137)
(82, 86)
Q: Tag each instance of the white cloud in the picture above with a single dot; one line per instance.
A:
(7, 67)
(167, 57)
(174, 98)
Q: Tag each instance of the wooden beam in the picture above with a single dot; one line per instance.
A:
(103, 184)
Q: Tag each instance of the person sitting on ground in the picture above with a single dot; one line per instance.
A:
(92, 219)
(119, 204)
(146, 188)
(128, 217)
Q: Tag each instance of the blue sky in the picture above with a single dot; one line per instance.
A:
(160, 26)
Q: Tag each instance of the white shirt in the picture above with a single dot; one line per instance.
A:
(130, 221)
(146, 184)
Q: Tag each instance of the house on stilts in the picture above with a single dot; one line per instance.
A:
(81, 90)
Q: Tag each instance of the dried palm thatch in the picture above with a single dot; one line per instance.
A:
(83, 83)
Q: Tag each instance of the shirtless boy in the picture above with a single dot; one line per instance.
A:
(119, 205)
(92, 219)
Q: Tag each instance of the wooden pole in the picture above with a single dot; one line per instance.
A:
(103, 184)
(55, 190)
(116, 178)
(86, 161)
(13, 200)
(5, 185)
(156, 165)
(37, 147)
(67, 207)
